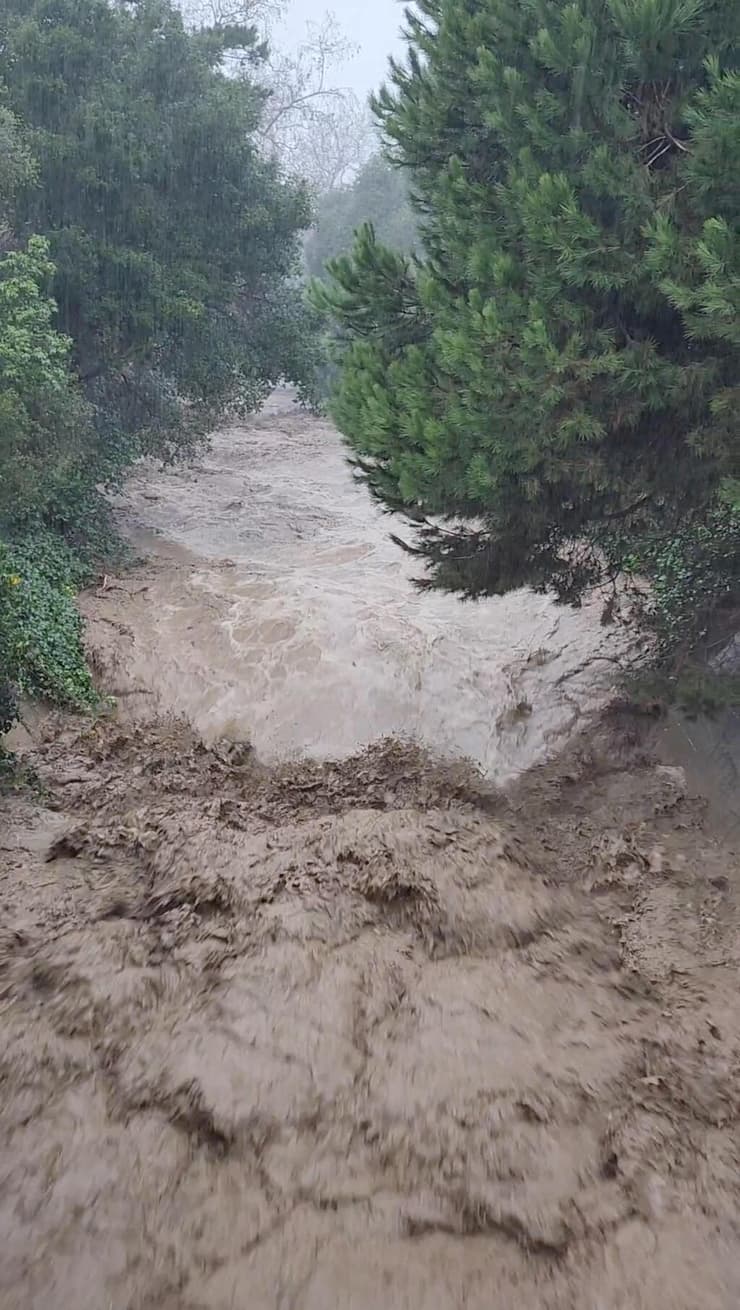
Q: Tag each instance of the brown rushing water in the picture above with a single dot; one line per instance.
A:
(312, 639)
(365, 1034)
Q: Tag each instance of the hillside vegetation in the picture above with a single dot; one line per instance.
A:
(148, 283)
(552, 386)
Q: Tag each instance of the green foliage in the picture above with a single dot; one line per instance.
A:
(40, 632)
(173, 239)
(378, 195)
(47, 458)
(46, 445)
(16, 164)
(562, 360)
(692, 687)
(149, 260)
(46, 438)
(692, 575)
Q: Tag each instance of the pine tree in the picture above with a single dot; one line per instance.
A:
(558, 373)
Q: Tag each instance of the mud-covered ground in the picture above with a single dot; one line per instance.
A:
(365, 1035)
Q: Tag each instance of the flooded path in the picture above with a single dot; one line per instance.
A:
(280, 611)
(358, 1033)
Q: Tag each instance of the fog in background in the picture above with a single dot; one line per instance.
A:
(372, 25)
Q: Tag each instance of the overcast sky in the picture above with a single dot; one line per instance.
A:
(373, 25)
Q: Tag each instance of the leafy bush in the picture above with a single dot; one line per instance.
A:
(47, 443)
(685, 594)
(17, 167)
(41, 650)
(149, 261)
(48, 463)
(692, 577)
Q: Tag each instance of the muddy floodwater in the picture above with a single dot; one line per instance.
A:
(301, 1010)
(311, 638)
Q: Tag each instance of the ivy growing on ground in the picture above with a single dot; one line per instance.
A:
(689, 607)
(41, 651)
(692, 575)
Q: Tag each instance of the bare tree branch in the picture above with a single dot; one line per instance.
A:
(317, 129)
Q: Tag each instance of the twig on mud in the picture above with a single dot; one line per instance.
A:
(585, 664)
(119, 627)
(132, 691)
(704, 964)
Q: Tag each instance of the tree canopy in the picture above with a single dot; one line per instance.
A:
(45, 431)
(557, 376)
(378, 195)
(16, 164)
(174, 240)
(149, 281)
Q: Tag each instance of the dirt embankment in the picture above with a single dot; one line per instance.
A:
(365, 1035)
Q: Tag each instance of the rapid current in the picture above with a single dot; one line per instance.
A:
(280, 612)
